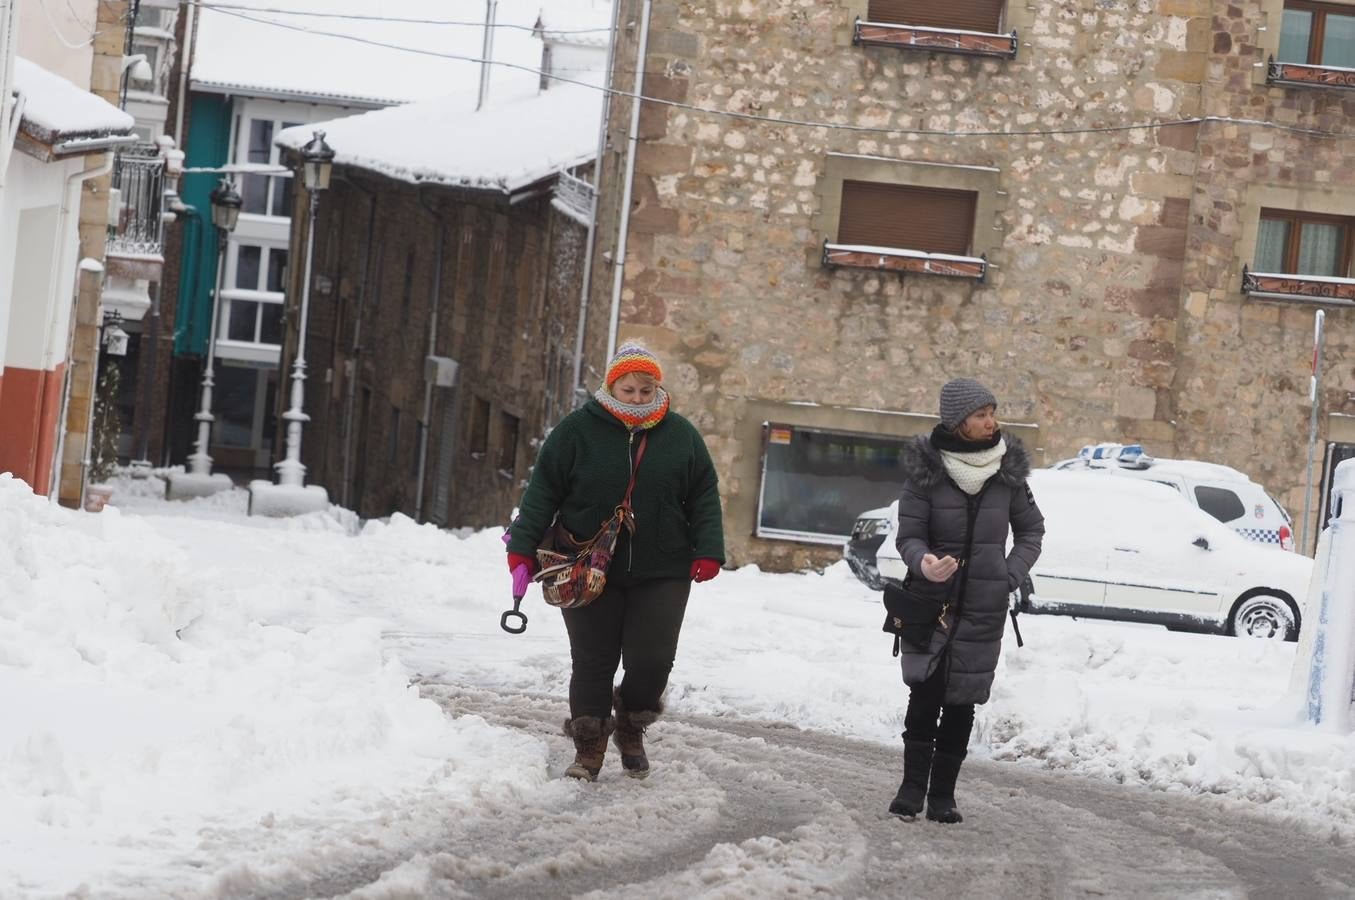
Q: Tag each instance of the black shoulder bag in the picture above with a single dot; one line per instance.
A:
(912, 617)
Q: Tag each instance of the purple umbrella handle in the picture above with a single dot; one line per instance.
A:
(521, 578)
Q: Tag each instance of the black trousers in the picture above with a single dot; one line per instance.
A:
(930, 718)
(637, 626)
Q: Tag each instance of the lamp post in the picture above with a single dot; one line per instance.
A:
(225, 213)
(317, 161)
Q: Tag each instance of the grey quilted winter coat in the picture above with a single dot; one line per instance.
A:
(935, 516)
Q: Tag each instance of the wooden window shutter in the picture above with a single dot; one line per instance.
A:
(968, 15)
(903, 217)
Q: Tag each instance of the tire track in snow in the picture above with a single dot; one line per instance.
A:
(738, 808)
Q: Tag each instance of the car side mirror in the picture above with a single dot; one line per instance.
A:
(1201, 542)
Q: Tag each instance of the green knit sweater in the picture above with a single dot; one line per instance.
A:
(582, 471)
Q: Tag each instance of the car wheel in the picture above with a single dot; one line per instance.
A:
(1263, 616)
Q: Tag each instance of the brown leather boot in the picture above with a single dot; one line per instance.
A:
(630, 736)
(590, 745)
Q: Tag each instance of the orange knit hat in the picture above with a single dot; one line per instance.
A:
(632, 358)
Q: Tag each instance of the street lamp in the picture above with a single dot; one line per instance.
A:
(317, 160)
(226, 205)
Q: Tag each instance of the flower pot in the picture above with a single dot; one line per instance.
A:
(96, 495)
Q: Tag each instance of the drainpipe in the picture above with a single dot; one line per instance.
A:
(487, 53)
(190, 215)
(355, 354)
(632, 140)
(185, 59)
(58, 264)
(577, 391)
(426, 415)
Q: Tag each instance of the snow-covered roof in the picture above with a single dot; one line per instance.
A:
(504, 147)
(312, 52)
(586, 23)
(63, 117)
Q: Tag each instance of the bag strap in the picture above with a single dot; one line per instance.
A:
(639, 455)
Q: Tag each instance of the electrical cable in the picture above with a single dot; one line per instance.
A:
(224, 7)
(808, 123)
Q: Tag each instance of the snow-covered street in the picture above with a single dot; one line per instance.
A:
(201, 704)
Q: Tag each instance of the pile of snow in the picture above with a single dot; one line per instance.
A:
(144, 713)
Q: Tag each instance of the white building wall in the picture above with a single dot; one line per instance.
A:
(58, 35)
(32, 327)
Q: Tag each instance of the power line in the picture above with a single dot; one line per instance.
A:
(806, 123)
(359, 17)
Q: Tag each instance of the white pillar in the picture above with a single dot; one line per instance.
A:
(1331, 670)
(291, 471)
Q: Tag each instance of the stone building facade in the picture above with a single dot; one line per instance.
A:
(1111, 241)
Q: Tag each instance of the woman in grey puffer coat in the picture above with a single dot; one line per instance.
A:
(965, 487)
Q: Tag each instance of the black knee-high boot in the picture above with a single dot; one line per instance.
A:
(917, 764)
(941, 790)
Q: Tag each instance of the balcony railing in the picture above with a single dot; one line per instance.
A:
(935, 40)
(574, 198)
(915, 262)
(1298, 288)
(1304, 75)
(139, 177)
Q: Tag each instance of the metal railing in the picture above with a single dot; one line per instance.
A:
(139, 177)
(575, 194)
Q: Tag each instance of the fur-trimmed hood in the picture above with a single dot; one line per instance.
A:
(922, 463)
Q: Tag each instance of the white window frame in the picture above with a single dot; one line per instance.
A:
(249, 351)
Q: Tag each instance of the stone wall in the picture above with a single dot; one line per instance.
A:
(1111, 310)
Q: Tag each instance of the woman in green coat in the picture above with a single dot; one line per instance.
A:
(580, 477)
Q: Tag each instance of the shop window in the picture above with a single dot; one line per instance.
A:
(938, 26)
(1317, 46)
(508, 444)
(816, 482)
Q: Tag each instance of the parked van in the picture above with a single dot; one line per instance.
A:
(1226, 494)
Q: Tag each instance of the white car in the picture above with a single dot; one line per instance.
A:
(1225, 493)
(1130, 550)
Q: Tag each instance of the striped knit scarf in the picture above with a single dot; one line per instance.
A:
(636, 418)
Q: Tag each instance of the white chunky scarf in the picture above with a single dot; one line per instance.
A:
(970, 471)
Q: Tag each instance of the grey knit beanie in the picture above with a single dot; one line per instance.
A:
(960, 398)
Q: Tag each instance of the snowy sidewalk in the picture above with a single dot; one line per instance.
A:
(277, 727)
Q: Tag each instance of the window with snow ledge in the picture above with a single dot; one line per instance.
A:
(1302, 256)
(920, 218)
(1314, 45)
(968, 27)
